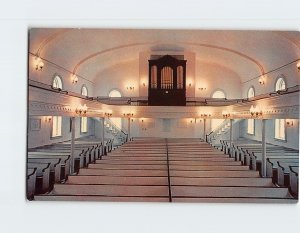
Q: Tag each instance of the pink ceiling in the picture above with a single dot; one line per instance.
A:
(88, 51)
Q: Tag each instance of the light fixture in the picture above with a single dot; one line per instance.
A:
(298, 66)
(81, 110)
(144, 84)
(256, 111)
(74, 78)
(289, 122)
(47, 119)
(128, 115)
(130, 88)
(261, 80)
(108, 114)
(39, 64)
(201, 88)
(190, 84)
(205, 115)
(226, 114)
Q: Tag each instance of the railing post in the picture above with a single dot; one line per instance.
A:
(264, 151)
(128, 127)
(102, 135)
(72, 144)
(230, 139)
(204, 130)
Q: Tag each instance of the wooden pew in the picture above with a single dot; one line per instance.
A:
(283, 172)
(56, 165)
(65, 159)
(42, 176)
(294, 180)
(31, 180)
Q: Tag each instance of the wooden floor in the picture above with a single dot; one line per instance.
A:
(168, 170)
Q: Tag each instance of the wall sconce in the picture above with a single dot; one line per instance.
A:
(74, 78)
(131, 120)
(144, 84)
(108, 114)
(130, 88)
(298, 66)
(190, 85)
(261, 80)
(289, 123)
(129, 115)
(81, 110)
(226, 114)
(201, 88)
(205, 115)
(48, 119)
(39, 64)
(256, 111)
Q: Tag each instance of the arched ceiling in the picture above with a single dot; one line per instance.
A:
(88, 51)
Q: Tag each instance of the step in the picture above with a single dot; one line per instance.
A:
(201, 159)
(203, 163)
(198, 156)
(228, 181)
(110, 190)
(138, 154)
(233, 200)
(117, 180)
(140, 158)
(128, 167)
(145, 173)
(209, 168)
(214, 173)
(130, 162)
(231, 192)
(99, 198)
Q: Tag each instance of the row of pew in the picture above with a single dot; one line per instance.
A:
(282, 163)
(167, 170)
(53, 163)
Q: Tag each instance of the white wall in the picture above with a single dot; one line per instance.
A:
(292, 133)
(49, 71)
(43, 136)
(292, 77)
(213, 77)
(118, 77)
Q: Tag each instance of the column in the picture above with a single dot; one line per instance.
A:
(204, 130)
(230, 139)
(102, 135)
(128, 129)
(72, 163)
(264, 151)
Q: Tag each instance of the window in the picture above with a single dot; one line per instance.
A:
(116, 120)
(57, 82)
(83, 125)
(280, 123)
(56, 126)
(280, 129)
(216, 122)
(84, 121)
(280, 84)
(251, 122)
(84, 90)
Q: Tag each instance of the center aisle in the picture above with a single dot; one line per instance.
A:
(168, 170)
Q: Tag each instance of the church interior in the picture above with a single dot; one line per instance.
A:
(155, 115)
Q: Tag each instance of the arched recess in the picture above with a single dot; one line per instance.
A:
(114, 93)
(217, 94)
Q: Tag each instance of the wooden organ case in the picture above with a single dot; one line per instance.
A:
(167, 85)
